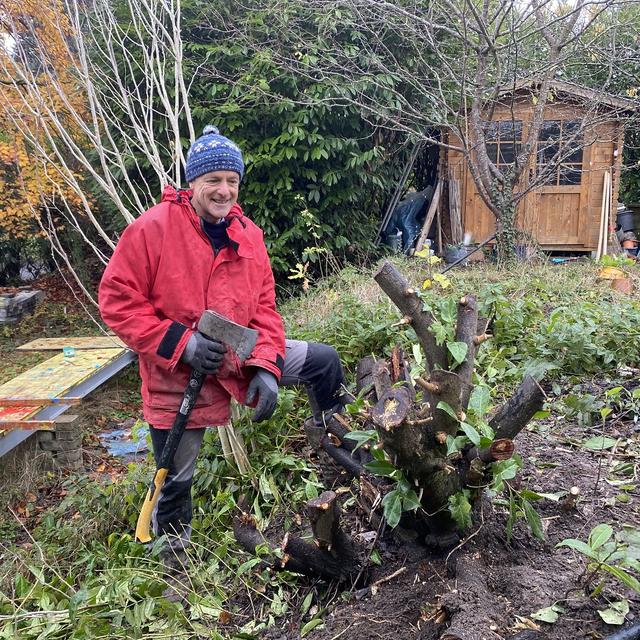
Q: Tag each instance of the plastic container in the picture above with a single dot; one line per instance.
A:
(611, 273)
(624, 220)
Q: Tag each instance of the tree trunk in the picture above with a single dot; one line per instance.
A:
(414, 432)
(505, 212)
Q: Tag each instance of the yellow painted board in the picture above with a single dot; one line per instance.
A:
(53, 377)
(80, 342)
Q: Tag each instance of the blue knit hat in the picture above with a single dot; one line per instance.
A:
(213, 152)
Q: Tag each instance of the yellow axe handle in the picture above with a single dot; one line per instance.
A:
(143, 525)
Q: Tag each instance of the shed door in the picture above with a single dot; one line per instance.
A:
(555, 208)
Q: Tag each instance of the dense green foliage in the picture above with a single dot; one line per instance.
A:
(318, 172)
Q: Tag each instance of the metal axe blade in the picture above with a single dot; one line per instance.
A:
(241, 339)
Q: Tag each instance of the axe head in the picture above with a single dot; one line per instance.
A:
(241, 339)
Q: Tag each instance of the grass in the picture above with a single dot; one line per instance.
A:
(77, 558)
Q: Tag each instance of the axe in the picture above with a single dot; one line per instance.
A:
(242, 341)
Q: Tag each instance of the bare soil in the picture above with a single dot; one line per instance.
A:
(500, 584)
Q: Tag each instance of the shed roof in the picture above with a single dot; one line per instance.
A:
(571, 89)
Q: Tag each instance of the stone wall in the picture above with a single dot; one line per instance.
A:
(59, 450)
(64, 445)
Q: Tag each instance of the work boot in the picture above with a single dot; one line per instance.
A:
(175, 563)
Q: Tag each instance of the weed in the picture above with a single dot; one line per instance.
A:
(614, 553)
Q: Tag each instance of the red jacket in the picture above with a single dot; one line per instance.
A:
(162, 276)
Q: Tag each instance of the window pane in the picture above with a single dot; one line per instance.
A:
(490, 130)
(572, 157)
(551, 175)
(547, 151)
(550, 130)
(510, 129)
(570, 174)
(571, 128)
(507, 155)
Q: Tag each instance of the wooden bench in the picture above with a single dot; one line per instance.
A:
(35, 401)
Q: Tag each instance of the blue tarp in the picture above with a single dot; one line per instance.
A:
(405, 223)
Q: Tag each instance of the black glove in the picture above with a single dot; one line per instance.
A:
(266, 385)
(203, 354)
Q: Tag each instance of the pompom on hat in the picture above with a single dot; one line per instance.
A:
(213, 152)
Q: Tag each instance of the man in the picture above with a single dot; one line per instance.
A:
(194, 251)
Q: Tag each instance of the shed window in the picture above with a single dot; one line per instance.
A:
(560, 152)
(503, 141)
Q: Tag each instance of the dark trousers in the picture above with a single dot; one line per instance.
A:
(316, 366)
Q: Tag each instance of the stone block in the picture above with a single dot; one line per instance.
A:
(69, 460)
(13, 306)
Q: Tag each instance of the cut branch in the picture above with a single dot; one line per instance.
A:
(395, 285)
(343, 457)
(514, 415)
(324, 515)
(466, 329)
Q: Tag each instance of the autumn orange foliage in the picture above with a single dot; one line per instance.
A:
(36, 85)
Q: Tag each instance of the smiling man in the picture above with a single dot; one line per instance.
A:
(196, 250)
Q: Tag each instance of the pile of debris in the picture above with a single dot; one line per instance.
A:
(14, 305)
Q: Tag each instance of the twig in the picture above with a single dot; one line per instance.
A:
(595, 487)
(391, 576)
(472, 535)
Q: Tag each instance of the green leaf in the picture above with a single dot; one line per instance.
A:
(447, 409)
(598, 443)
(503, 470)
(310, 626)
(362, 437)
(246, 566)
(306, 603)
(380, 468)
(624, 577)
(533, 519)
(410, 500)
(480, 400)
(615, 613)
(548, 614)
(599, 535)
(458, 350)
(455, 444)
(536, 495)
(392, 507)
(460, 509)
(580, 546)
(630, 535)
(471, 433)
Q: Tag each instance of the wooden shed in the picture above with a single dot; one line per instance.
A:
(564, 212)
